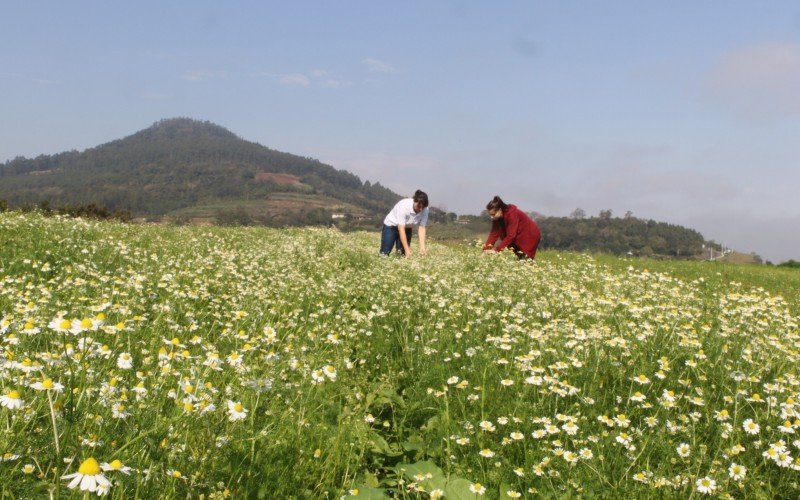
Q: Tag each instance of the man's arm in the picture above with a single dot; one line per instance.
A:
(423, 231)
(403, 240)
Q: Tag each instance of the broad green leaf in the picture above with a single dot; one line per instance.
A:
(459, 489)
(365, 492)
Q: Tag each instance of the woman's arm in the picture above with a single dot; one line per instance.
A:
(494, 234)
(512, 224)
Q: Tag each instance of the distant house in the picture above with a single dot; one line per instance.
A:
(338, 216)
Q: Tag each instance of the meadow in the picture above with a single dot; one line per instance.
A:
(145, 361)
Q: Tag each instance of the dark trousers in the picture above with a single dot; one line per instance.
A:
(390, 237)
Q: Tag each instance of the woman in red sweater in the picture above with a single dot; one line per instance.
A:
(517, 230)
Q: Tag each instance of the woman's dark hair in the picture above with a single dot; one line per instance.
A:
(421, 197)
(495, 204)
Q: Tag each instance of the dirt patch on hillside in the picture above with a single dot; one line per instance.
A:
(277, 178)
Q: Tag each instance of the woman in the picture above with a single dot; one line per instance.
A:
(397, 224)
(517, 230)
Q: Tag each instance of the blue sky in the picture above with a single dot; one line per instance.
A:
(686, 112)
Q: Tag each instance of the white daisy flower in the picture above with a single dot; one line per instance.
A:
(89, 478)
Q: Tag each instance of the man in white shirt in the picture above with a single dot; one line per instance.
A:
(397, 225)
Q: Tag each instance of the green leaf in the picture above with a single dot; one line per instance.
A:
(382, 447)
(414, 443)
(458, 489)
(365, 492)
(371, 480)
(504, 489)
(422, 468)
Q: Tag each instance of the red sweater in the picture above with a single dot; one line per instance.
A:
(515, 228)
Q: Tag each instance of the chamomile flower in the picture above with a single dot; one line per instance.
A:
(236, 411)
(125, 361)
(88, 478)
(477, 488)
(751, 427)
(115, 466)
(47, 384)
(706, 485)
(60, 324)
(12, 400)
(329, 371)
(737, 472)
(684, 450)
(118, 410)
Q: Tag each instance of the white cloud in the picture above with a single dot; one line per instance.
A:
(295, 79)
(378, 66)
(30, 78)
(317, 77)
(155, 96)
(760, 81)
(201, 76)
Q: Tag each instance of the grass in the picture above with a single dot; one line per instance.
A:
(298, 363)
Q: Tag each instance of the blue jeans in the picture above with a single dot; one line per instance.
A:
(390, 237)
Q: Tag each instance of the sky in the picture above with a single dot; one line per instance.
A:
(685, 112)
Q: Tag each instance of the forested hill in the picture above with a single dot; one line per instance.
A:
(182, 163)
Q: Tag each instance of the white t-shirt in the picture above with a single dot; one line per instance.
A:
(403, 214)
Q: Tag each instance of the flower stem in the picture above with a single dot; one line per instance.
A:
(53, 418)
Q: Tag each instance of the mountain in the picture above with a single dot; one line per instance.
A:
(187, 168)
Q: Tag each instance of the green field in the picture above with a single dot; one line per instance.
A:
(163, 362)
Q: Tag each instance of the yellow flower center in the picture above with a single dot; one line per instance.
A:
(116, 465)
(101, 316)
(89, 467)
(64, 324)
(238, 407)
(14, 395)
(188, 406)
(86, 323)
(175, 341)
(29, 325)
(176, 473)
(47, 383)
(189, 388)
(120, 325)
